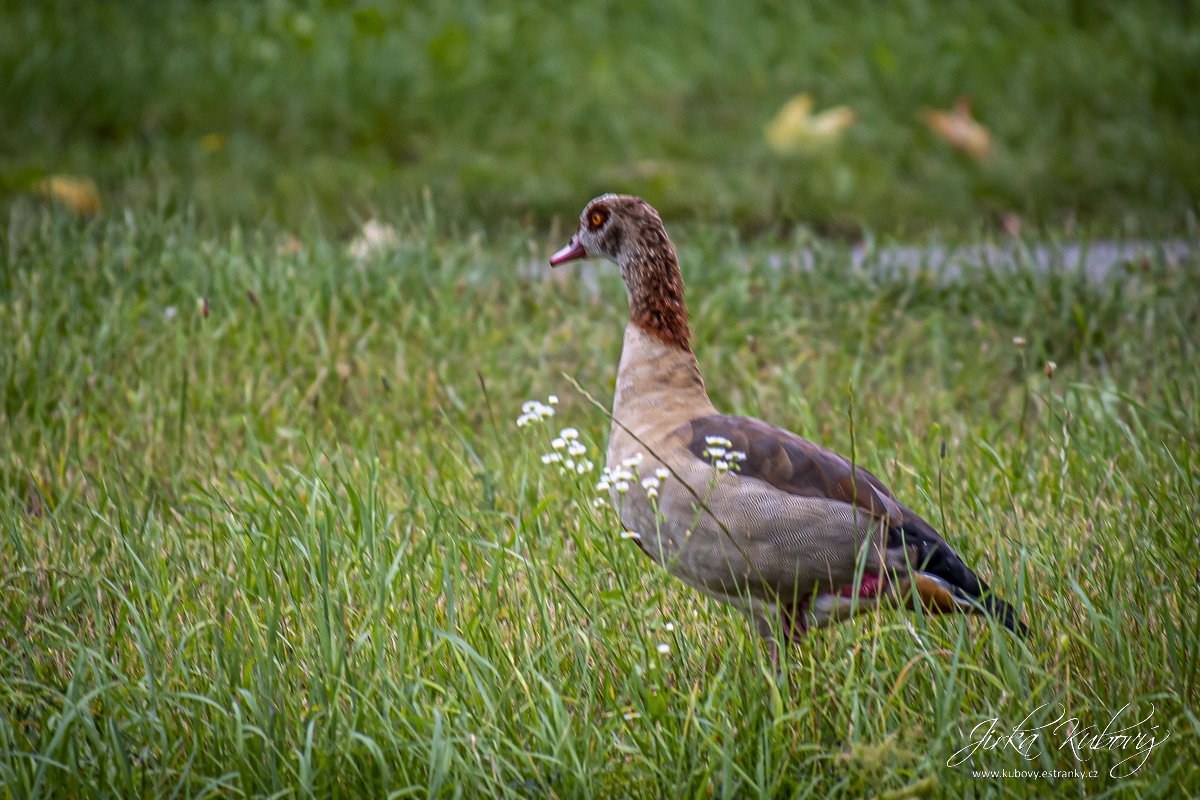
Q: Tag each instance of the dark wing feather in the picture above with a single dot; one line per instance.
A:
(930, 553)
(793, 464)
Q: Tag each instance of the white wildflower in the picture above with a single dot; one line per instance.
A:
(622, 486)
(735, 455)
(603, 485)
(715, 452)
(662, 473)
(721, 465)
(631, 535)
(585, 466)
(546, 459)
(576, 448)
(599, 502)
(650, 483)
(532, 411)
(718, 440)
(552, 399)
(630, 716)
(169, 312)
(633, 461)
(569, 463)
(569, 434)
(652, 493)
(670, 626)
(558, 444)
(664, 648)
(622, 475)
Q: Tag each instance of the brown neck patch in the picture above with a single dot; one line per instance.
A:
(651, 272)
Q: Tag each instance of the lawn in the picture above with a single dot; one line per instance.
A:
(298, 110)
(270, 527)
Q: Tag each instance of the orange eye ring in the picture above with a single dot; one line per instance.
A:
(597, 219)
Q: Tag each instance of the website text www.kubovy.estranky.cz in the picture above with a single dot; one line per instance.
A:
(1035, 773)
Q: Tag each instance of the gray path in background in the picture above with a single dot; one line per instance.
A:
(1098, 259)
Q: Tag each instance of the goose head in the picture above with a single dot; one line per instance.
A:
(608, 227)
(628, 231)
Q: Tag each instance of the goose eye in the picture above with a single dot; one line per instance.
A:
(597, 219)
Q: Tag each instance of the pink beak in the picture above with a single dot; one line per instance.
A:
(572, 251)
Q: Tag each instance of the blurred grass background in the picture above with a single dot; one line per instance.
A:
(296, 111)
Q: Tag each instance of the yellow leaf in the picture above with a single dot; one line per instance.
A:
(795, 128)
(962, 132)
(78, 194)
(831, 122)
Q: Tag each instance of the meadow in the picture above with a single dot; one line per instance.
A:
(270, 527)
(299, 110)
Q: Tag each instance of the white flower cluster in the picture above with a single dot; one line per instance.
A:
(621, 478)
(568, 440)
(536, 411)
(722, 456)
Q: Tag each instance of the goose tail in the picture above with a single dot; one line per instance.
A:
(943, 581)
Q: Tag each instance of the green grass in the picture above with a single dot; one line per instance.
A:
(331, 109)
(269, 527)
(293, 548)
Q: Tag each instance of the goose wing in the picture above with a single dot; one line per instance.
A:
(792, 464)
(799, 467)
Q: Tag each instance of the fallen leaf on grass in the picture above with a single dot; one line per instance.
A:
(78, 194)
(374, 240)
(959, 130)
(796, 128)
(289, 245)
(1011, 223)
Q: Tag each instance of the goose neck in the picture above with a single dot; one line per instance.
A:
(655, 287)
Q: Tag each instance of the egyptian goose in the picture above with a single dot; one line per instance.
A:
(741, 510)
